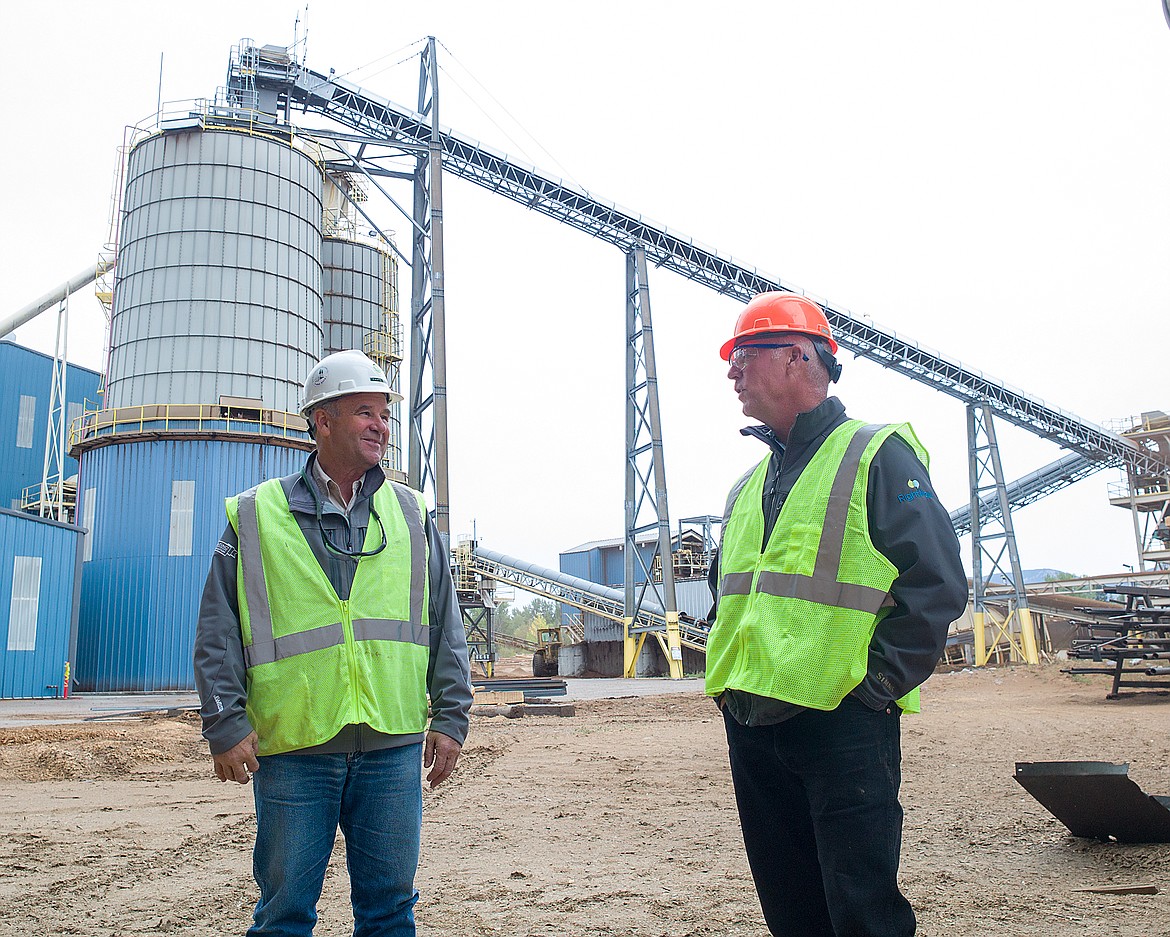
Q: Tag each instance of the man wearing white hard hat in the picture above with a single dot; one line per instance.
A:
(328, 617)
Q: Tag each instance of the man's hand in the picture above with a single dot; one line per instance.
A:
(440, 754)
(239, 763)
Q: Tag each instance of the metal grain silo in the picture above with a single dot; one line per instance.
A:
(219, 271)
(216, 321)
(360, 310)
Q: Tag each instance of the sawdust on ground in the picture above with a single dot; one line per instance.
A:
(616, 821)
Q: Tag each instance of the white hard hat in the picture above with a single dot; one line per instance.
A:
(342, 373)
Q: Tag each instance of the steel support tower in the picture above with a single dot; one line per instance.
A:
(428, 315)
(52, 492)
(993, 539)
(646, 506)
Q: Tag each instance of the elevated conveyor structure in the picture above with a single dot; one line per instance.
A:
(382, 122)
(1032, 487)
(583, 594)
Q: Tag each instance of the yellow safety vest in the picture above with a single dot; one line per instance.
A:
(315, 663)
(795, 619)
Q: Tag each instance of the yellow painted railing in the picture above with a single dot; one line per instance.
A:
(172, 418)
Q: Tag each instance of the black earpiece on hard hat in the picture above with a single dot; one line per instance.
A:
(832, 365)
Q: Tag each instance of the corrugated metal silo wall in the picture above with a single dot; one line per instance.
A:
(602, 629)
(26, 378)
(219, 272)
(693, 596)
(352, 293)
(353, 281)
(139, 601)
(37, 572)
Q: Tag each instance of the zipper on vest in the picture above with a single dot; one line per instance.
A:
(351, 657)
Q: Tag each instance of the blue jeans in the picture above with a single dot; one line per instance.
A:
(376, 799)
(818, 803)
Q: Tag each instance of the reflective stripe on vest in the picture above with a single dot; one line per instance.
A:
(266, 649)
(797, 611)
(822, 586)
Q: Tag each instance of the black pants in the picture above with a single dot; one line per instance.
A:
(818, 804)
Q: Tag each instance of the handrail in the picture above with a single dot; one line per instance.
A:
(99, 425)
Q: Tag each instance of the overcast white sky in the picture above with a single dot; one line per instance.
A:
(989, 180)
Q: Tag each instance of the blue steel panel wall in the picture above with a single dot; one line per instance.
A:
(40, 671)
(613, 566)
(138, 604)
(584, 565)
(577, 564)
(24, 372)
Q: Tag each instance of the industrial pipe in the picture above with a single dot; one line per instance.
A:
(50, 299)
(597, 590)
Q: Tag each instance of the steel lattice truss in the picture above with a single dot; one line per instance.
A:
(1032, 487)
(607, 606)
(391, 124)
(646, 505)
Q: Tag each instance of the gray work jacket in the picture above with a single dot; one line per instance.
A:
(220, 672)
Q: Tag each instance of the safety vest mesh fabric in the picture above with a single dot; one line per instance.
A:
(315, 663)
(795, 619)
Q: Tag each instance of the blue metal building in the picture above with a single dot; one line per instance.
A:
(603, 562)
(26, 378)
(600, 561)
(38, 590)
(154, 509)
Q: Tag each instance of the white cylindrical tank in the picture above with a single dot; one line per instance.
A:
(360, 310)
(219, 272)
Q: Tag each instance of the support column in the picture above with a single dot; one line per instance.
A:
(993, 549)
(646, 506)
(51, 500)
(428, 342)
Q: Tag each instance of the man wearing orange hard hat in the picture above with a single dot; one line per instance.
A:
(837, 578)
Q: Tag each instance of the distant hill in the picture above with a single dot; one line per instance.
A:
(1038, 575)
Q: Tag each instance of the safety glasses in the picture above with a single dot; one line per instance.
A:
(741, 354)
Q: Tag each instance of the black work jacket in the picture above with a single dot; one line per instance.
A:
(915, 534)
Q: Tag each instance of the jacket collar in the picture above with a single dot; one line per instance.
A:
(810, 426)
(304, 500)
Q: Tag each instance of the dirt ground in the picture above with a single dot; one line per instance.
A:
(616, 821)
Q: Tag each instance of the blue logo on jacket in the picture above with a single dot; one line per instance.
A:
(915, 491)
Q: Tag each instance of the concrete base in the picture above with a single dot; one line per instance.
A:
(606, 659)
(572, 660)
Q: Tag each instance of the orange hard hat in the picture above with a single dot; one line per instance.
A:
(780, 312)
